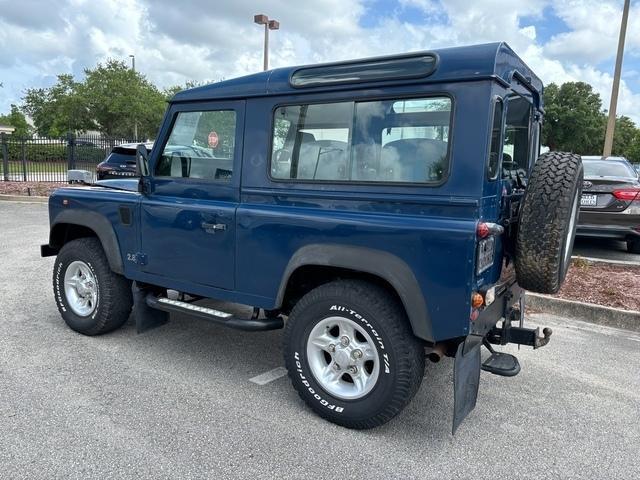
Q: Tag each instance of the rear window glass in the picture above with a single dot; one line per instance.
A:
(122, 156)
(378, 141)
(607, 168)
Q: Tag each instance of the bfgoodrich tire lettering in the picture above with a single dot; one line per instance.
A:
(548, 220)
(400, 354)
(113, 301)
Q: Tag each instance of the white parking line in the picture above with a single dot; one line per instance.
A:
(269, 376)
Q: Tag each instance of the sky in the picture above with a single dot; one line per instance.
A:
(209, 40)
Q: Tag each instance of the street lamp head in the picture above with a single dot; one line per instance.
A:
(274, 25)
(261, 19)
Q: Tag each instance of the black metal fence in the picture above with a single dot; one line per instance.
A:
(48, 159)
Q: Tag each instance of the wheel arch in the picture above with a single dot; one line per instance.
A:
(72, 224)
(335, 260)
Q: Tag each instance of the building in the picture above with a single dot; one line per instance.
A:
(6, 129)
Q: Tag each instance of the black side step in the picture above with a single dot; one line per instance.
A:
(221, 318)
(499, 363)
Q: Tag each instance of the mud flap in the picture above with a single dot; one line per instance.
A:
(466, 380)
(145, 316)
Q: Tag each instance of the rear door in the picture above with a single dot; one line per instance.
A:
(188, 219)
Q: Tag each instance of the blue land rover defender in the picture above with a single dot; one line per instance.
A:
(382, 211)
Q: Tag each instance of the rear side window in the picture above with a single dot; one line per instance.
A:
(201, 145)
(496, 140)
(515, 150)
(403, 141)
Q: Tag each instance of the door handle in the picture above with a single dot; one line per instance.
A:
(213, 227)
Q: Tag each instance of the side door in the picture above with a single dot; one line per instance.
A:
(188, 218)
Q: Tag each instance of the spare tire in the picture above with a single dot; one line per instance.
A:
(547, 224)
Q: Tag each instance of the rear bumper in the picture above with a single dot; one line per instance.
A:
(602, 231)
(508, 296)
(615, 225)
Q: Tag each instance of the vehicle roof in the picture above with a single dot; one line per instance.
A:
(133, 146)
(471, 63)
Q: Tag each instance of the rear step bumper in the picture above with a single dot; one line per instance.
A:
(221, 318)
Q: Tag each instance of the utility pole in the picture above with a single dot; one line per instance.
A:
(135, 120)
(268, 25)
(611, 122)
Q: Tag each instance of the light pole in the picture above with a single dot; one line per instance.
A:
(611, 121)
(135, 120)
(268, 25)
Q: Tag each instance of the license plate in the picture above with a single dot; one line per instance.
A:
(486, 249)
(589, 201)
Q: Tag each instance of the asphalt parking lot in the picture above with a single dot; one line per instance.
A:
(605, 249)
(176, 402)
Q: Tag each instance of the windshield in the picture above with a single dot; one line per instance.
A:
(607, 168)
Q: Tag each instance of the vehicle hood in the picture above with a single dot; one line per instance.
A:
(129, 184)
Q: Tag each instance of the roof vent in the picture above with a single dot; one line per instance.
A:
(415, 66)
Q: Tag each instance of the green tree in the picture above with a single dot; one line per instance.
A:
(58, 109)
(117, 98)
(632, 152)
(16, 120)
(169, 92)
(624, 136)
(574, 120)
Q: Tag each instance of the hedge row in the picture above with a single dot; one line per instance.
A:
(51, 152)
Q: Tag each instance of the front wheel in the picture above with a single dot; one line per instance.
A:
(90, 297)
(351, 354)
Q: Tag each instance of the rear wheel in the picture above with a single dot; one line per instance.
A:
(90, 297)
(351, 354)
(633, 246)
(548, 220)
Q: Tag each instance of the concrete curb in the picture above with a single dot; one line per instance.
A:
(587, 312)
(605, 260)
(24, 198)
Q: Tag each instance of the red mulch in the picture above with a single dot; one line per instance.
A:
(43, 189)
(603, 284)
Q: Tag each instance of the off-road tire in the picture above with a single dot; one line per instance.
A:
(633, 246)
(548, 220)
(114, 297)
(384, 318)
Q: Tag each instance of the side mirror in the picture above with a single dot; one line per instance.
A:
(142, 160)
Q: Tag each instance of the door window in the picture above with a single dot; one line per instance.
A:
(200, 145)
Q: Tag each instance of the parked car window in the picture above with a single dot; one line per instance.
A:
(515, 150)
(201, 145)
(377, 141)
(607, 168)
(496, 140)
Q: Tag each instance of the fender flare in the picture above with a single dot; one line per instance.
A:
(382, 264)
(102, 228)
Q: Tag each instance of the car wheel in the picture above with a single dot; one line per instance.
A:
(90, 297)
(548, 220)
(351, 354)
(633, 246)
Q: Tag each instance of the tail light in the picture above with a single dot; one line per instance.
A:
(486, 232)
(484, 229)
(477, 300)
(628, 194)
